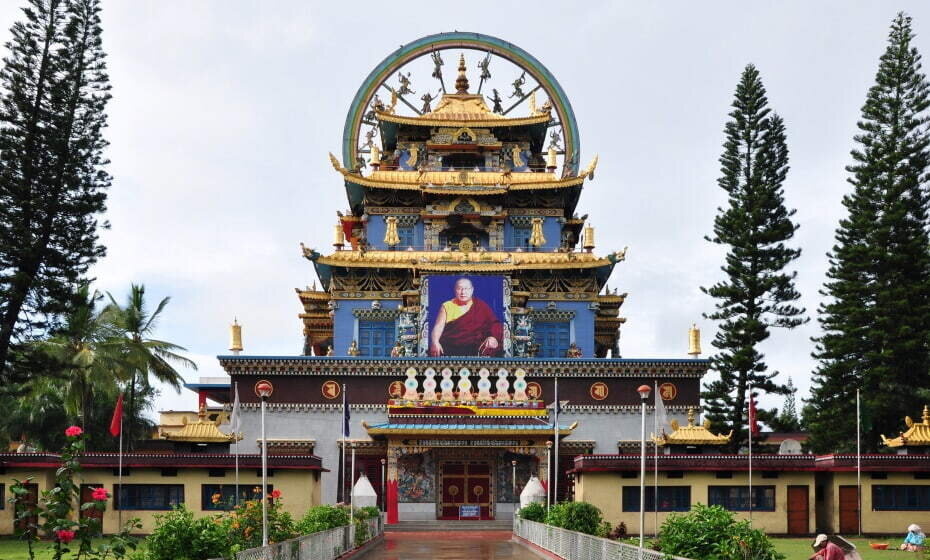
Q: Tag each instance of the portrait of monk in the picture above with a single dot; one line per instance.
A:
(466, 326)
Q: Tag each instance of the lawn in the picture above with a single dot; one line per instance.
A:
(15, 549)
(801, 548)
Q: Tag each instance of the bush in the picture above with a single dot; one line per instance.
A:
(179, 536)
(534, 511)
(713, 532)
(368, 512)
(321, 518)
(575, 516)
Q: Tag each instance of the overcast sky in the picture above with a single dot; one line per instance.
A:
(223, 113)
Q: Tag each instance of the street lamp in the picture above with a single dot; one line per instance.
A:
(548, 471)
(514, 465)
(383, 463)
(264, 390)
(644, 396)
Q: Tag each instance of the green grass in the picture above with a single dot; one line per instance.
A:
(801, 548)
(15, 549)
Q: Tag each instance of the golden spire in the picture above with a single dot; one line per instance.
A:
(390, 234)
(588, 238)
(339, 236)
(235, 337)
(536, 235)
(461, 83)
(694, 341)
(551, 163)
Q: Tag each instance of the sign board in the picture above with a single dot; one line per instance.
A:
(469, 510)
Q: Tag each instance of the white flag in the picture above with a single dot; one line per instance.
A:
(661, 416)
(235, 419)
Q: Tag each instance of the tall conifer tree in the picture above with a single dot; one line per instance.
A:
(757, 294)
(52, 183)
(877, 317)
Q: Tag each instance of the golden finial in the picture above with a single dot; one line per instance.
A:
(235, 337)
(691, 416)
(533, 109)
(536, 235)
(588, 237)
(694, 341)
(589, 171)
(461, 83)
(926, 416)
(551, 162)
(390, 234)
(339, 237)
(335, 162)
(202, 413)
(375, 157)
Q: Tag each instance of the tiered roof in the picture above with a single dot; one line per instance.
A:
(917, 434)
(691, 434)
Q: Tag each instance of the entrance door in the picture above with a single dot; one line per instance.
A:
(797, 510)
(465, 483)
(29, 501)
(849, 510)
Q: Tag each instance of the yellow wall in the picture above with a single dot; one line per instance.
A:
(300, 490)
(889, 522)
(605, 490)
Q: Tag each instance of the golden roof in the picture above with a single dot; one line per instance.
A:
(691, 434)
(201, 431)
(916, 434)
(456, 260)
(463, 109)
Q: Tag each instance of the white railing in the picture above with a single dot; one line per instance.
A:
(325, 545)
(572, 545)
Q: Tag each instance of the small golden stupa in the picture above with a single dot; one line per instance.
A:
(691, 434)
(201, 431)
(917, 434)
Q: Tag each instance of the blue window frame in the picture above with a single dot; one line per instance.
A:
(892, 497)
(521, 237)
(552, 338)
(405, 234)
(148, 496)
(671, 498)
(736, 498)
(375, 338)
(225, 495)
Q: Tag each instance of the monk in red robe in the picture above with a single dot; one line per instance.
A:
(466, 326)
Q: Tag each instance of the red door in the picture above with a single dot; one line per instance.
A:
(797, 510)
(465, 483)
(29, 501)
(849, 510)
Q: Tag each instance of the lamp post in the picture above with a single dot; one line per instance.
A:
(383, 463)
(264, 390)
(514, 465)
(644, 396)
(548, 471)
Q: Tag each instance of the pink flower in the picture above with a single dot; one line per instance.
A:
(100, 494)
(65, 536)
(275, 494)
(74, 431)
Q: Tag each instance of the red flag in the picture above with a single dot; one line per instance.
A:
(116, 423)
(753, 424)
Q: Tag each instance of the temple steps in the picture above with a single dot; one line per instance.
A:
(440, 525)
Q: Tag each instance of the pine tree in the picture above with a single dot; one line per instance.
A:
(787, 419)
(877, 317)
(52, 183)
(757, 294)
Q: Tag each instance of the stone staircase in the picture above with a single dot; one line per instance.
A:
(438, 525)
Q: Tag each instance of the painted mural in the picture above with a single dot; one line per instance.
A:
(526, 466)
(415, 478)
(466, 316)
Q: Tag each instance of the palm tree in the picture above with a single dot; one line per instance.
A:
(82, 353)
(141, 355)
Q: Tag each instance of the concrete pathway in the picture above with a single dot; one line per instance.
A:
(457, 545)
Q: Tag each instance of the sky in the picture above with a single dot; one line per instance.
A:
(223, 114)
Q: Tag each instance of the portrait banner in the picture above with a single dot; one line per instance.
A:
(465, 315)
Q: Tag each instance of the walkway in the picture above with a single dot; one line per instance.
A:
(457, 545)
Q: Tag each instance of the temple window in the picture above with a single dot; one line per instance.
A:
(671, 498)
(405, 235)
(375, 338)
(148, 496)
(553, 338)
(451, 162)
(888, 497)
(736, 498)
(521, 237)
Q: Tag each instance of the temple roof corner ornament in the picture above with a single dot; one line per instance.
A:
(589, 171)
(917, 434)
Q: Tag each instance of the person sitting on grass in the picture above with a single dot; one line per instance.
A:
(914, 540)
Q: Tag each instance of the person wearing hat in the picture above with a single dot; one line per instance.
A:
(826, 550)
(914, 540)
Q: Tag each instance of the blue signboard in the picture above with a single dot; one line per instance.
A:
(469, 511)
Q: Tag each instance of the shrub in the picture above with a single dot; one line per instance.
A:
(534, 511)
(321, 518)
(368, 512)
(575, 516)
(619, 531)
(244, 524)
(174, 536)
(713, 532)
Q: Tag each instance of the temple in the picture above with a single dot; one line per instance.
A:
(461, 289)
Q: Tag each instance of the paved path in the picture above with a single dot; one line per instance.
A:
(457, 545)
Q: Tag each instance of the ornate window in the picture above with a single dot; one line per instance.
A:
(736, 498)
(521, 237)
(553, 338)
(375, 338)
(405, 234)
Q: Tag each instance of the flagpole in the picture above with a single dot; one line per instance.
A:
(342, 480)
(655, 448)
(237, 438)
(751, 423)
(858, 464)
(555, 459)
(352, 496)
(119, 495)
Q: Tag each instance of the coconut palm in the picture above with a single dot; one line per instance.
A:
(141, 355)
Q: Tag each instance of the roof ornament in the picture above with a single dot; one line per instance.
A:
(404, 88)
(589, 171)
(485, 72)
(694, 341)
(391, 239)
(426, 98)
(437, 68)
(235, 337)
(917, 434)
(518, 86)
(461, 83)
(496, 100)
(537, 239)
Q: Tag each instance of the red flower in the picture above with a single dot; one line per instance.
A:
(65, 536)
(100, 494)
(275, 494)
(74, 431)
